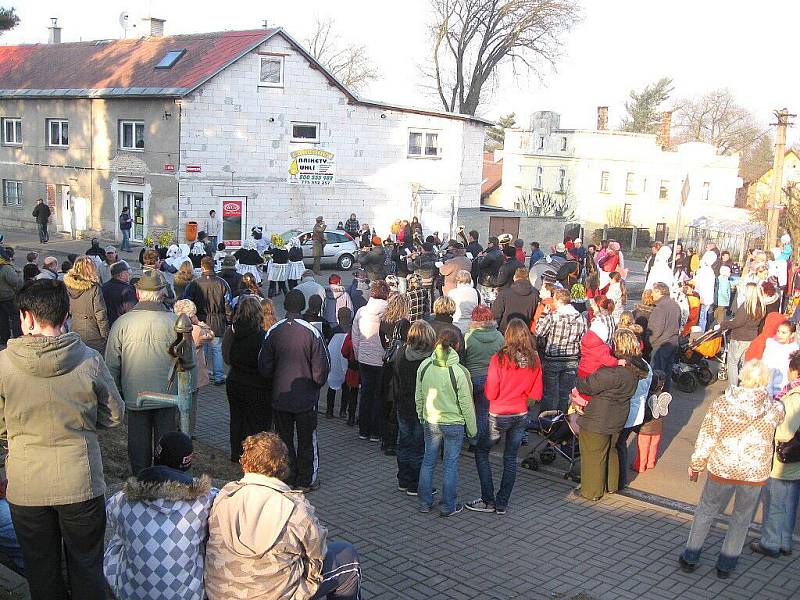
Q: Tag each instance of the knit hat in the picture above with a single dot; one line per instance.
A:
(376, 240)
(116, 268)
(174, 450)
(294, 302)
(151, 281)
(229, 261)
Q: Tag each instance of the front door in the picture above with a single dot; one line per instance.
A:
(498, 225)
(661, 232)
(135, 203)
(67, 212)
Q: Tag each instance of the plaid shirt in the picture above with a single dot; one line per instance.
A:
(560, 333)
(419, 301)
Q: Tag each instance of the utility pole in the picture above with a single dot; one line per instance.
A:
(776, 197)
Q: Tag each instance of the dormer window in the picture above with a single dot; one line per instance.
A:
(170, 58)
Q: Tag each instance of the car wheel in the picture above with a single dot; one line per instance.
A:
(345, 262)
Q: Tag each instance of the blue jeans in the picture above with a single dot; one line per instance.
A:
(662, 359)
(126, 240)
(780, 515)
(558, 377)
(514, 427)
(341, 573)
(714, 500)
(436, 435)
(410, 450)
(8, 537)
(44, 235)
(213, 350)
(481, 404)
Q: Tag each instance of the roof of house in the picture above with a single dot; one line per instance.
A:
(492, 176)
(769, 169)
(127, 68)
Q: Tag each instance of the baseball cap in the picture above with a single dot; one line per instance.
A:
(110, 249)
(151, 281)
(174, 450)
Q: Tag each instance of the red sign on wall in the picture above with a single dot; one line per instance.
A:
(233, 222)
(169, 168)
(192, 168)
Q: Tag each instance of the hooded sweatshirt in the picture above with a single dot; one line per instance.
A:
(336, 297)
(735, 439)
(518, 301)
(661, 270)
(55, 394)
(444, 392)
(480, 345)
(366, 333)
(167, 509)
(264, 542)
(510, 385)
(705, 278)
(404, 380)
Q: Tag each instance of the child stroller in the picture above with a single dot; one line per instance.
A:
(692, 366)
(559, 440)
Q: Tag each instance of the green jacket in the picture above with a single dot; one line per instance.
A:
(481, 344)
(785, 432)
(136, 353)
(438, 400)
(55, 393)
(10, 280)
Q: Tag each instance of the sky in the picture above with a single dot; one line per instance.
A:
(620, 45)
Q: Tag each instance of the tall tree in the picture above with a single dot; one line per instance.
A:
(349, 63)
(716, 118)
(496, 135)
(757, 159)
(643, 108)
(472, 38)
(8, 19)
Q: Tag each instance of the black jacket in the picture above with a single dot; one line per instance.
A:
(664, 324)
(295, 254)
(295, 358)
(211, 295)
(404, 383)
(373, 263)
(120, 297)
(399, 257)
(248, 257)
(240, 351)
(442, 322)
(425, 266)
(96, 251)
(474, 248)
(611, 389)
(232, 278)
(519, 300)
(280, 256)
(42, 213)
(505, 277)
(488, 266)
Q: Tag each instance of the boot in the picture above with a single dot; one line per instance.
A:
(329, 412)
(343, 410)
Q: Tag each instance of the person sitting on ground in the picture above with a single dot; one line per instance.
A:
(265, 540)
(165, 510)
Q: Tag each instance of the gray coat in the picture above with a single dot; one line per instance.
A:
(88, 309)
(10, 281)
(136, 353)
(55, 393)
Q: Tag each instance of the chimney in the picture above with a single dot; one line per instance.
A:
(602, 118)
(54, 36)
(154, 27)
(663, 137)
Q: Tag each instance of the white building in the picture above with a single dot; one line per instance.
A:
(615, 178)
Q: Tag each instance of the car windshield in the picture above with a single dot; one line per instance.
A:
(288, 235)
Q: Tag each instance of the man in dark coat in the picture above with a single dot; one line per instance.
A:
(505, 277)
(118, 293)
(663, 328)
(373, 261)
(517, 301)
(42, 214)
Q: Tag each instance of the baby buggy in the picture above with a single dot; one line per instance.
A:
(692, 366)
(559, 440)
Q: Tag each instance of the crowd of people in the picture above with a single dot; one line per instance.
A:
(436, 343)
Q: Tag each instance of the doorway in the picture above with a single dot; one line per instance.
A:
(67, 212)
(498, 225)
(135, 203)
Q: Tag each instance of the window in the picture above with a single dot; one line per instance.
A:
(541, 142)
(271, 74)
(706, 190)
(626, 214)
(58, 133)
(12, 193)
(663, 190)
(630, 179)
(562, 180)
(170, 58)
(539, 177)
(131, 135)
(424, 144)
(12, 132)
(563, 144)
(334, 237)
(305, 132)
(604, 181)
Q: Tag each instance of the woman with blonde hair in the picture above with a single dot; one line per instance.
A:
(393, 331)
(443, 310)
(201, 335)
(86, 304)
(269, 318)
(182, 278)
(735, 446)
(743, 329)
(466, 299)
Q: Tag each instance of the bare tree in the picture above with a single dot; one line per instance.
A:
(472, 38)
(349, 63)
(716, 118)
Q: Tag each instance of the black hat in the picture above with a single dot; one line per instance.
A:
(174, 450)
(294, 302)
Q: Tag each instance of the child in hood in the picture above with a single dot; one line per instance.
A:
(723, 296)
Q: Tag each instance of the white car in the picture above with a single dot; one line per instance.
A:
(339, 251)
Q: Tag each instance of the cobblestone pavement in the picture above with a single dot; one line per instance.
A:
(548, 545)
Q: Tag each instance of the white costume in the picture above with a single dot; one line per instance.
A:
(297, 267)
(661, 271)
(254, 270)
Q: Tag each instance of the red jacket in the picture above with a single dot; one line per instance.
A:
(508, 386)
(351, 376)
(521, 255)
(595, 353)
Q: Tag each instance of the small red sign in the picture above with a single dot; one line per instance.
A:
(192, 168)
(232, 208)
(169, 168)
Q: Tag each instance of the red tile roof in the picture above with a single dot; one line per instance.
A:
(492, 174)
(122, 64)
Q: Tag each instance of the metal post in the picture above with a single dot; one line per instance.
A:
(776, 195)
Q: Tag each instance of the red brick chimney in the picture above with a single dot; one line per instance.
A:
(602, 118)
(663, 137)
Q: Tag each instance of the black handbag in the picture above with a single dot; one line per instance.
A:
(789, 452)
(391, 352)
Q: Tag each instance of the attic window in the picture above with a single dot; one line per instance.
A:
(170, 58)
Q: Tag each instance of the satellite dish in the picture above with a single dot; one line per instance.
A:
(123, 22)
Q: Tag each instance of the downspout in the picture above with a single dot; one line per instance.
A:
(91, 162)
(178, 175)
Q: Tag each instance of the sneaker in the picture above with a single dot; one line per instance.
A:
(458, 509)
(759, 549)
(361, 436)
(307, 489)
(374, 439)
(414, 492)
(425, 509)
(664, 398)
(686, 566)
(723, 574)
(480, 505)
(500, 510)
(402, 488)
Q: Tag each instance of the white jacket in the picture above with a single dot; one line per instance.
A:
(466, 298)
(366, 333)
(776, 357)
(661, 271)
(705, 279)
(338, 362)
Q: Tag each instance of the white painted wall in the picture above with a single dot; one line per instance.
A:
(226, 129)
